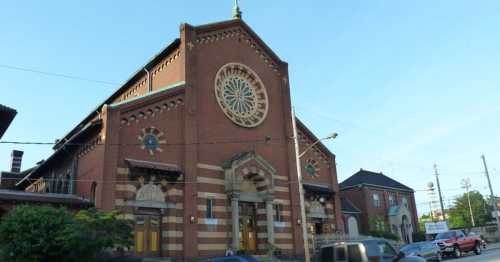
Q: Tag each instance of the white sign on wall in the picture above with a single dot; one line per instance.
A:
(436, 227)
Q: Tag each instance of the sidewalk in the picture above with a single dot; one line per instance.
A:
(493, 246)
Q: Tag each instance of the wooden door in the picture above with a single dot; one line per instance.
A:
(147, 235)
(248, 227)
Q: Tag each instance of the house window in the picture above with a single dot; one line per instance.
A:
(392, 201)
(376, 200)
(278, 208)
(404, 201)
(210, 203)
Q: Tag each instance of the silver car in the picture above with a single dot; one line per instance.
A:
(368, 250)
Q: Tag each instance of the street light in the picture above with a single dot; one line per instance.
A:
(332, 136)
(299, 181)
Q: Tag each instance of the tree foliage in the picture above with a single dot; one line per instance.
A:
(42, 233)
(459, 214)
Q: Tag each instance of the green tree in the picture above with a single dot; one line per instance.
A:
(459, 214)
(43, 233)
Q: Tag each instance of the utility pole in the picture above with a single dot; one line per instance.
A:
(492, 196)
(439, 191)
(430, 210)
(303, 219)
(466, 185)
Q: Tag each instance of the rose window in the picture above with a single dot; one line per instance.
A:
(241, 95)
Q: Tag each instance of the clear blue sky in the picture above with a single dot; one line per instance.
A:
(404, 84)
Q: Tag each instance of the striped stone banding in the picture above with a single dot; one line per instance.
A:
(122, 171)
(172, 234)
(209, 180)
(212, 246)
(210, 167)
(176, 247)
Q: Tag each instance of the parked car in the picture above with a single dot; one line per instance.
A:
(426, 249)
(370, 250)
(455, 243)
(233, 259)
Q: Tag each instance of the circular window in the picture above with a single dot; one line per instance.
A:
(312, 167)
(151, 138)
(241, 95)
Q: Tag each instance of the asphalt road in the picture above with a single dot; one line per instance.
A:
(492, 255)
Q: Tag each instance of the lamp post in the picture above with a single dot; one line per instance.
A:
(298, 155)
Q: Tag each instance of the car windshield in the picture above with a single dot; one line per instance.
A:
(410, 248)
(445, 235)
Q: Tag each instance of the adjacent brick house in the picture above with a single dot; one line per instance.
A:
(196, 148)
(384, 203)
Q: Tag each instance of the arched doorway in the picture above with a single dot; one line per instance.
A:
(352, 227)
(404, 229)
(250, 186)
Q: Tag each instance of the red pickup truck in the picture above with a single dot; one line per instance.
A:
(455, 243)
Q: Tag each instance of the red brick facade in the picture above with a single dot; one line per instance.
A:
(361, 194)
(199, 155)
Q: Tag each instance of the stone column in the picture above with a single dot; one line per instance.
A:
(235, 221)
(270, 221)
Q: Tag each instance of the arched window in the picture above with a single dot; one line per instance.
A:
(92, 192)
(404, 201)
(66, 184)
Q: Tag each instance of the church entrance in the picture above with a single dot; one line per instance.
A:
(147, 235)
(248, 226)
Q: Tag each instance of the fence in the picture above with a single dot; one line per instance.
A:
(488, 232)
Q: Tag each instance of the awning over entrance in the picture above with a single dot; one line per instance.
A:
(165, 170)
(319, 189)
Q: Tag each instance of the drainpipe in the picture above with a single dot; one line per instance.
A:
(150, 86)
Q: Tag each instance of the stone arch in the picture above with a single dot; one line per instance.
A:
(250, 178)
(249, 166)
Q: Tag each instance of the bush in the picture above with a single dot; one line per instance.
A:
(43, 233)
(419, 236)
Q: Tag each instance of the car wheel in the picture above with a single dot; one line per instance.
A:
(477, 249)
(457, 252)
(439, 257)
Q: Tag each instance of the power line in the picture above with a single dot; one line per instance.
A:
(265, 141)
(55, 74)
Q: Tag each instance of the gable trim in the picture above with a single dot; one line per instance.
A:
(238, 29)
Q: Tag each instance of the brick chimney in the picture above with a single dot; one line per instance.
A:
(16, 159)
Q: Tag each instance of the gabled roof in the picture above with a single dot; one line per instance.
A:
(137, 75)
(347, 206)
(365, 177)
(7, 114)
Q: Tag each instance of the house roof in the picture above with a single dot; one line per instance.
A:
(365, 177)
(29, 197)
(174, 45)
(7, 114)
(347, 206)
(89, 130)
(137, 75)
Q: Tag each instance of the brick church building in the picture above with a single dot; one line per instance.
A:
(197, 149)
